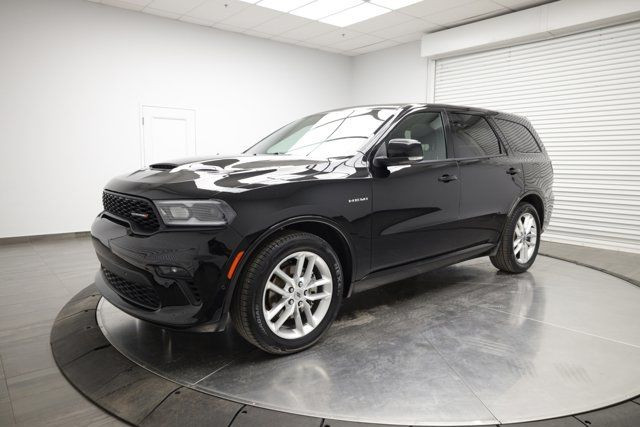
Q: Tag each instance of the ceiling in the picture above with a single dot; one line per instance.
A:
(348, 27)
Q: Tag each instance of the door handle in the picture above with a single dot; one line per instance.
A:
(513, 171)
(447, 178)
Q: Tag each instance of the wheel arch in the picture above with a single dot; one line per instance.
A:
(338, 241)
(535, 200)
(318, 225)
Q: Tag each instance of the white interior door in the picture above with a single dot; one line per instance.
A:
(167, 133)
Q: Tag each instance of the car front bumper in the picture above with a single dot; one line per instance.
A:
(129, 277)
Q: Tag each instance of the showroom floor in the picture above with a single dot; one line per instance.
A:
(37, 278)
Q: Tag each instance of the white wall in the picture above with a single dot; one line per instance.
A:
(396, 74)
(74, 73)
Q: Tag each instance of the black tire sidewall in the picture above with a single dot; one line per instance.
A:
(261, 330)
(508, 238)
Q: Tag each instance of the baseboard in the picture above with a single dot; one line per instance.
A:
(43, 237)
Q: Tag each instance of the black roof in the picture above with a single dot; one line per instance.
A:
(424, 104)
(495, 113)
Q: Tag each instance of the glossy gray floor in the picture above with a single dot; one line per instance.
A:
(37, 278)
(462, 345)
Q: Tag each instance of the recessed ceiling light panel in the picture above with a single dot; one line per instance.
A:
(355, 14)
(283, 5)
(394, 4)
(323, 8)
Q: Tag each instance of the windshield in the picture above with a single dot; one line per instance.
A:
(339, 133)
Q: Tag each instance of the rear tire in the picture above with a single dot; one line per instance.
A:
(289, 293)
(520, 240)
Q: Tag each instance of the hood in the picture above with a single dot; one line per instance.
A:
(200, 177)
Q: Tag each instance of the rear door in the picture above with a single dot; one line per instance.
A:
(415, 205)
(490, 180)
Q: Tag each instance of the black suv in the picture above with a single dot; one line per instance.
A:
(340, 200)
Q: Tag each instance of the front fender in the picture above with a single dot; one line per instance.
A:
(253, 242)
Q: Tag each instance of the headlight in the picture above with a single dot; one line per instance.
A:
(195, 212)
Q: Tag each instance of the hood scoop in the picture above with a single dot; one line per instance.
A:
(163, 166)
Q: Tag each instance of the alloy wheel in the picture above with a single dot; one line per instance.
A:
(525, 237)
(297, 295)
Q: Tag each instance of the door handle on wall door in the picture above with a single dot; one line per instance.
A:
(447, 178)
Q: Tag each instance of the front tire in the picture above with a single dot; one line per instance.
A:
(520, 240)
(289, 293)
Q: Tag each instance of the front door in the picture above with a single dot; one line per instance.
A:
(415, 205)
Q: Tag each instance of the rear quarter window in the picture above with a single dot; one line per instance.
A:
(518, 137)
(473, 136)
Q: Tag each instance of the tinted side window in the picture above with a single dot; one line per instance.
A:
(472, 136)
(518, 137)
(425, 127)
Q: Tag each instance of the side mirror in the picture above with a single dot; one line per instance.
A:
(399, 152)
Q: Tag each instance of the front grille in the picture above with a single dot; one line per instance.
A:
(138, 211)
(138, 293)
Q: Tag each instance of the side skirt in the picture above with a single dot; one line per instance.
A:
(405, 271)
